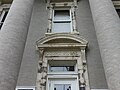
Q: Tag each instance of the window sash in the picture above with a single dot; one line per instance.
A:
(66, 28)
(62, 67)
(61, 15)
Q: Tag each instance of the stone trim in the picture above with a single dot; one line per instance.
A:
(71, 5)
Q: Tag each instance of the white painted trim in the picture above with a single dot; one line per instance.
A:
(99, 89)
(25, 87)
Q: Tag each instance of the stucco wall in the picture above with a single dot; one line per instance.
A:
(28, 71)
(86, 28)
(38, 27)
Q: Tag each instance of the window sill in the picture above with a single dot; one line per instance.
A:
(75, 33)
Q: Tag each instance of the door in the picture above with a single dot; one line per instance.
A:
(62, 84)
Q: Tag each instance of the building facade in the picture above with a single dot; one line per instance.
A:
(59, 45)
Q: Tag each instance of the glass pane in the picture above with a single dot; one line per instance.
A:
(61, 68)
(61, 15)
(61, 27)
(62, 87)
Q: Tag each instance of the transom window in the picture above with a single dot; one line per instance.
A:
(62, 66)
(62, 21)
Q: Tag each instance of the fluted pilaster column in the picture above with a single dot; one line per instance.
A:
(107, 26)
(12, 41)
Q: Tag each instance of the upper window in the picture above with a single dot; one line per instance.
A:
(61, 21)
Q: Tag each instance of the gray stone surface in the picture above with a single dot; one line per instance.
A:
(107, 26)
(38, 28)
(12, 41)
(86, 28)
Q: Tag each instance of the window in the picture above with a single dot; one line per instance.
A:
(62, 75)
(3, 17)
(62, 21)
(62, 66)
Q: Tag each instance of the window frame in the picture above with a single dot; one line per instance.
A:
(63, 21)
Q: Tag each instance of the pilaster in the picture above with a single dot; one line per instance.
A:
(12, 41)
(107, 27)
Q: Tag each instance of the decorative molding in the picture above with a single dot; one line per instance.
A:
(62, 47)
(76, 38)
